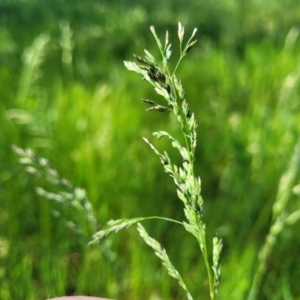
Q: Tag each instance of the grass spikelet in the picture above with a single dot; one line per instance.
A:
(113, 226)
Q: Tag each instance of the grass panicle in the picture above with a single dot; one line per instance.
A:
(67, 195)
(188, 186)
(32, 58)
(281, 218)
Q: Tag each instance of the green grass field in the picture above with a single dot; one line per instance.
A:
(65, 94)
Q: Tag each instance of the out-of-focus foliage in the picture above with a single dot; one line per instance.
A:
(65, 93)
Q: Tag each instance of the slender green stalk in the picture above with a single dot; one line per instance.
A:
(207, 264)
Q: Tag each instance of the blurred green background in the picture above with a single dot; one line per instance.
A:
(65, 93)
